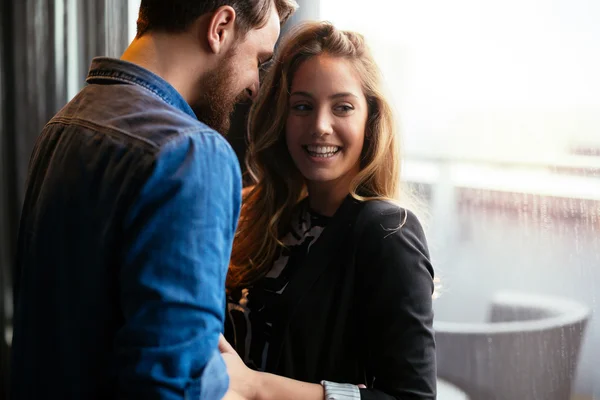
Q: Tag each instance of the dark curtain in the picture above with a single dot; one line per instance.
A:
(7, 198)
(104, 29)
(40, 41)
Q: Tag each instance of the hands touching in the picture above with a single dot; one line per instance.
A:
(243, 381)
(247, 384)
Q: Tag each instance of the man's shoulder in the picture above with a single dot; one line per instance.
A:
(133, 114)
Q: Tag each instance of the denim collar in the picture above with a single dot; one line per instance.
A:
(106, 70)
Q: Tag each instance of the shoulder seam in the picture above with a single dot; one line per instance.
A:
(93, 125)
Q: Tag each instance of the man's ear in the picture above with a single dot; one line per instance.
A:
(221, 29)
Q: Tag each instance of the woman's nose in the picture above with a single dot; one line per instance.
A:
(323, 125)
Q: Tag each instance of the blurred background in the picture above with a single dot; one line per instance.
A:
(498, 103)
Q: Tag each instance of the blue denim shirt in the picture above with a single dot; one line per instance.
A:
(123, 247)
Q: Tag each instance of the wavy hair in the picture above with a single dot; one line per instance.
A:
(278, 185)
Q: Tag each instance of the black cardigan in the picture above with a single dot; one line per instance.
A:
(360, 308)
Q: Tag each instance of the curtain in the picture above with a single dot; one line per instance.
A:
(45, 50)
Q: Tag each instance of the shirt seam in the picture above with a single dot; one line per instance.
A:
(94, 125)
(109, 75)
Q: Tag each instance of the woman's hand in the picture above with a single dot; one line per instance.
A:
(254, 385)
(242, 380)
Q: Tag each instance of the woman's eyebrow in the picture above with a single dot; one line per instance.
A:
(333, 96)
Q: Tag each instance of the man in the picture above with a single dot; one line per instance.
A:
(130, 211)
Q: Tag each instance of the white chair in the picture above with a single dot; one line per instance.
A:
(527, 351)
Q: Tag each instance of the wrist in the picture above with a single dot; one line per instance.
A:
(257, 385)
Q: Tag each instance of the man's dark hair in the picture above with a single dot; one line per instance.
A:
(175, 16)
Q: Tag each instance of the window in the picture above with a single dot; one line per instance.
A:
(499, 103)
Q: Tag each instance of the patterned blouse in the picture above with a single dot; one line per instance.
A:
(250, 310)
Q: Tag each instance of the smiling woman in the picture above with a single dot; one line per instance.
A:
(330, 284)
(325, 128)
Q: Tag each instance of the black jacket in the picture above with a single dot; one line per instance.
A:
(360, 308)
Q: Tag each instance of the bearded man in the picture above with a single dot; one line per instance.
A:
(132, 201)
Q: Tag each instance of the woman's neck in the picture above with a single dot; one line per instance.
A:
(326, 197)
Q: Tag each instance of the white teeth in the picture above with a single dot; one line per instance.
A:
(322, 149)
(326, 155)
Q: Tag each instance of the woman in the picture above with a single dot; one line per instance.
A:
(330, 285)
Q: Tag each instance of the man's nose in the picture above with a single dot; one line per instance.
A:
(252, 91)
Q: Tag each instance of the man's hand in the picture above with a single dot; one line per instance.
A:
(243, 381)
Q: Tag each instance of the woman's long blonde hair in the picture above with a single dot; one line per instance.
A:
(278, 185)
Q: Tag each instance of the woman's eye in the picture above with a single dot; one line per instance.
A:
(301, 107)
(344, 108)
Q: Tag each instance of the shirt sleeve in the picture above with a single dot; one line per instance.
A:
(397, 287)
(340, 391)
(177, 243)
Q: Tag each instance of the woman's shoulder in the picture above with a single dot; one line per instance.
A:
(391, 240)
(383, 216)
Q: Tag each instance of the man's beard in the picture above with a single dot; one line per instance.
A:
(219, 98)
